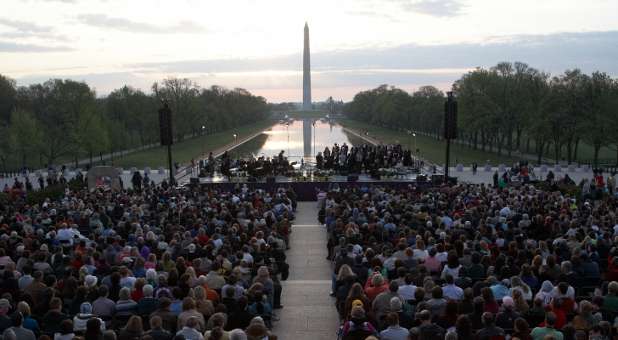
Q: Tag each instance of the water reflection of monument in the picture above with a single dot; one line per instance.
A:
(307, 139)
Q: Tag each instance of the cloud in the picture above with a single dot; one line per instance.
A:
(407, 66)
(24, 26)
(123, 24)
(11, 47)
(435, 8)
(553, 53)
(25, 29)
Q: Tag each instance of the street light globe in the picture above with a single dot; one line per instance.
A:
(203, 127)
(414, 134)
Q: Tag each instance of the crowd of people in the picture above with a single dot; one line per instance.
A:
(155, 263)
(341, 159)
(365, 158)
(473, 262)
(254, 167)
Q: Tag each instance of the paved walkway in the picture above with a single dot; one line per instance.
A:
(309, 312)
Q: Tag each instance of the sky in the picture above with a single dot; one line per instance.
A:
(257, 44)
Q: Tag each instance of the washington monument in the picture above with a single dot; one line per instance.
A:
(306, 72)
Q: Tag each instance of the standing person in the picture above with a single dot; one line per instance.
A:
(136, 180)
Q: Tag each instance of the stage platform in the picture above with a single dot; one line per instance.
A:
(307, 188)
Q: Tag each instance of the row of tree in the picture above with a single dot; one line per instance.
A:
(64, 120)
(508, 108)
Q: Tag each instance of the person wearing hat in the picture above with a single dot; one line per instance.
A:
(81, 319)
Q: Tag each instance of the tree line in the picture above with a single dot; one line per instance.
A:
(63, 120)
(509, 108)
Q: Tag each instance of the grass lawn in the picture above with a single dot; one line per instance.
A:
(183, 152)
(430, 148)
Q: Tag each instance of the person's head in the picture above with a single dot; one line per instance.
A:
(5, 306)
(109, 335)
(450, 335)
(612, 288)
(392, 319)
(550, 319)
(164, 303)
(103, 291)
(357, 312)
(487, 294)
(24, 308)
(188, 303)
(218, 320)
(521, 326)
(93, 326)
(238, 334)
(124, 294)
(135, 324)
(508, 303)
(436, 292)
(192, 322)
(425, 316)
(55, 304)
(396, 304)
(464, 325)
(85, 308)
(419, 294)
(155, 322)
(393, 286)
(488, 319)
(147, 290)
(66, 327)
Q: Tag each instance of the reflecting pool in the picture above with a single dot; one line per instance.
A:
(298, 139)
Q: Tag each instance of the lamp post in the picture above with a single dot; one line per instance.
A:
(415, 148)
(234, 146)
(204, 143)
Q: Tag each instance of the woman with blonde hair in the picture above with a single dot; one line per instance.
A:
(192, 276)
(521, 306)
(29, 322)
(202, 304)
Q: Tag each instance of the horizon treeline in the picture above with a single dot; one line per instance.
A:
(62, 120)
(510, 108)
